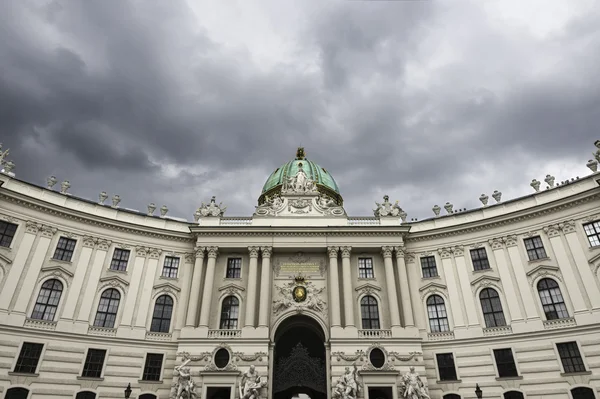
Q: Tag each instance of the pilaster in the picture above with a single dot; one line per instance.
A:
(349, 304)
(390, 280)
(251, 288)
(334, 288)
(209, 281)
(192, 312)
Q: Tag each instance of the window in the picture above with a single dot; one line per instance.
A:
(535, 248)
(161, 319)
(28, 358)
(480, 259)
(583, 393)
(492, 308)
(17, 393)
(570, 357)
(85, 395)
(428, 266)
(7, 233)
(436, 310)
(552, 299)
(365, 268)
(513, 395)
(592, 231)
(505, 363)
(119, 260)
(170, 267)
(107, 308)
(153, 367)
(229, 313)
(234, 268)
(64, 249)
(445, 362)
(369, 312)
(94, 361)
(47, 300)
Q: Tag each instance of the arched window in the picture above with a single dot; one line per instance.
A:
(107, 308)
(513, 395)
(436, 310)
(492, 308)
(85, 395)
(583, 393)
(370, 313)
(17, 393)
(161, 319)
(451, 396)
(229, 313)
(47, 300)
(552, 299)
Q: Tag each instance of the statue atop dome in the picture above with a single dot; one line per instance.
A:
(300, 154)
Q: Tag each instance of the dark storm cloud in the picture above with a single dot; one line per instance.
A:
(142, 99)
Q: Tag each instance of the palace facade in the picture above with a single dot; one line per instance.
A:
(95, 297)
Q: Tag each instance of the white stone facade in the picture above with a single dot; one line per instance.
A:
(319, 242)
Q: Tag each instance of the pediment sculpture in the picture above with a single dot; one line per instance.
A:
(387, 209)
(210, 210)
(251, 384)
(271, 206)
(299, 184)
(186, 388)
(412, 387)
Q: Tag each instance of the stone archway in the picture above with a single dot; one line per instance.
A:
(299, 359)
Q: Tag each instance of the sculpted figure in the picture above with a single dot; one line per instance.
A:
(347, 385)
(412, 387)
(251, 384)
(185, 384)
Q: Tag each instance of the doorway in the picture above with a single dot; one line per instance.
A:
(299, 360)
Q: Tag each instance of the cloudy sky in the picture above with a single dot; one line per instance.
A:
(172, 101)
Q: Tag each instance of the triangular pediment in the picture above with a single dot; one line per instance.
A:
(57, 268)
(367, 286)
(594, 259)
(432, 285)
(232, 286)
(481, 278)
(165, 286)
(543, 268)
(5, 259)
(115, 279)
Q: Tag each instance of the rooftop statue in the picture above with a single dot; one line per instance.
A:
(411, 386)
(596, 154)
(387, 209)
(3, 155)
(212, 209)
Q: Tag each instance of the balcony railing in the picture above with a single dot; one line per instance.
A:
(375, 334)
(441, 336)
(224, 333)
(235, 221)
(110, 332)
(362, 221)
(491, 331)
(559, 323)
(41, 324)
(158, 336)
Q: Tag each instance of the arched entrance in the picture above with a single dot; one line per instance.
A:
(299, 359)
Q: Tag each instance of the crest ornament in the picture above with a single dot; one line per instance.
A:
(210, 210)
(304, 296)
(387, 209)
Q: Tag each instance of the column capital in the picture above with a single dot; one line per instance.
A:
(199, 252)
(213, 252)
(345, 251)
(253, 251)
(400, 252)
(386, 251)
(266, 251)
(333, 251)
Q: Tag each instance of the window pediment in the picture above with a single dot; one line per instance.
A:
(367, 288)
(432, 286)
(543, 271)
(593, 260)
(482, 279)
(166, 287)
(232, 288)
(5, 259)
(114, 281)
(542, 268)
(57, 270)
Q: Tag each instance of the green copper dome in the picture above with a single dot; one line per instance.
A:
(324, 181)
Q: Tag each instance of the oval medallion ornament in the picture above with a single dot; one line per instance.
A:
(299, 293)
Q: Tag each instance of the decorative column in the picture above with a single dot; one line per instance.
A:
(347, 280)
(209, 283)
(407, 311)
(251, 297)
(334, 287)
(391, 285)
(265, 287)
(192, 312)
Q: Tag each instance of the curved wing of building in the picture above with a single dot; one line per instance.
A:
(300, 299)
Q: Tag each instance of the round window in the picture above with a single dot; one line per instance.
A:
(377, 358)
(222, 358)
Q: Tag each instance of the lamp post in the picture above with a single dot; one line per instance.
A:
(478, 391)
(128, 391)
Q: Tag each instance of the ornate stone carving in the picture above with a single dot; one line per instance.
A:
(597, 153)
(50, 182)
(151, 208)
(3, 155)
(458, 250)
(397, 356)
(48, 231)
(345, 251)
(299, 205)
(286, 299)
(328, 206)
(411, 386)
(271, 206)
(102, 197)
(64, 186)
(497, 195)
(32, 227)
(347, 385)
(386, 209)
(299, 184)
(266, 251)
(249, 358)
(199, 252)
(445, 252)
(436, 210)
(163, 211)
(212, 252)
(448, 207)
(185, 386)
(115, 200)
(103, 245)
(549, 180)
(496, 243)
(484, 199)
(386, 251)
(253, 251)
(535, 184)
(359, 355)
(333, 251)
(593, 164)
(212, 209)
(552, 231)
(190, 257)
(251, 384)
(213, 367)
(567, 227)
(409, 257)
(510, 241)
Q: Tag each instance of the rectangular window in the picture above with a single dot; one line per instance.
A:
(119, 260)
(64, 249)
(480, 259)
(153, 367)
(365, 268)
(592, 231)
(170, 267)
(234, 268)
(428, 266)
(535, 248)
(505, 363)
(446, 367)
(570, 357)
(29, 358)
(94, 362)
(7, 233)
